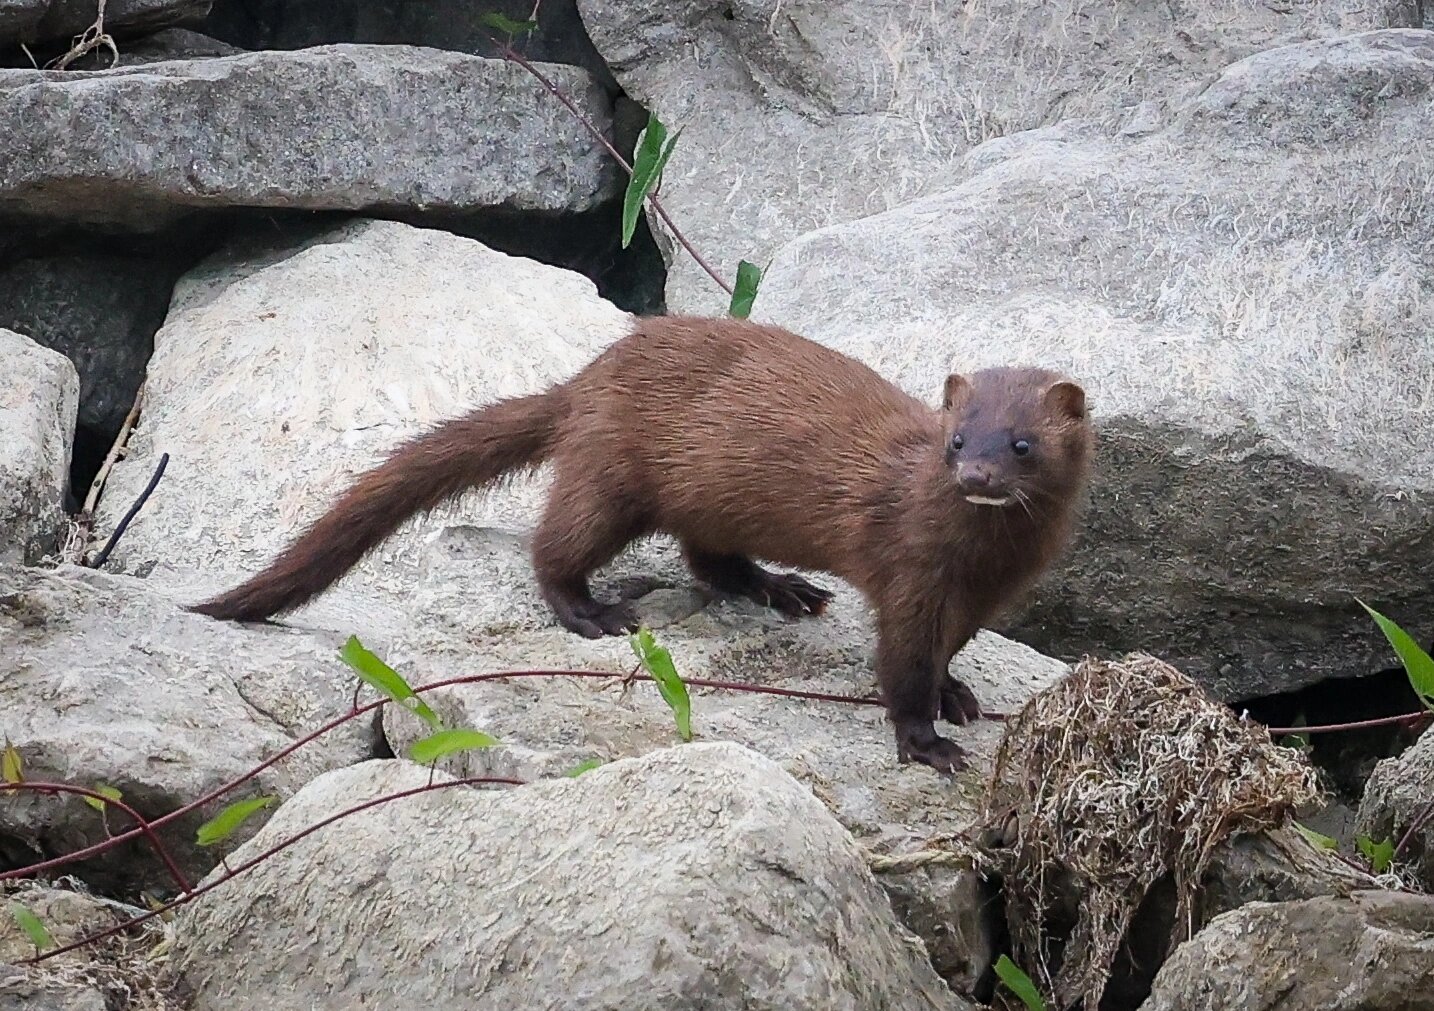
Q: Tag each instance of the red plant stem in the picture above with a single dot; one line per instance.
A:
(283, 844)
(278, 756)
(142, 824)
(509, 53)
(1329, 728)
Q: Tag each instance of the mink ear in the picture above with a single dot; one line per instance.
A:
(958, 388)
(1066, 398)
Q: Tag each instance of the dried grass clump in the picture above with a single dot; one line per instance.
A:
(1119, 775)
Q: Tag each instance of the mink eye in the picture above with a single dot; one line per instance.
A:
(956, 441)
(1020, 447)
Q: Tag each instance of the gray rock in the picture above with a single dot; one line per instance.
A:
(297, 365)
(696, 877)
(107, 681)
(1218, 327)
(101, 312)
(809, 113)
(39, 398)
(1397, 795)
(57, 20)
(68, 916)
(24, 989)
(1369, 950)
(161, 47)
(333, 128)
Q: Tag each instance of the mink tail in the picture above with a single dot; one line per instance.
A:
(462, 454)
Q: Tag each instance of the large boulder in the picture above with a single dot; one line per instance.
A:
(1397, 800)
(808, 113)
(696, 877)
(285, 367)
(104, 680)
(1257, 356)
(1369, 950)
(39, 398)
(347, 127)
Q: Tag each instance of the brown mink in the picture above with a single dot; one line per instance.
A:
(746, 441)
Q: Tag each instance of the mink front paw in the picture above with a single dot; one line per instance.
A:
(958, 704)
(923, 745)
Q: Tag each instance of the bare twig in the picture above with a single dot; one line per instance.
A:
(92, 38)
(85, 521)
(123, 524)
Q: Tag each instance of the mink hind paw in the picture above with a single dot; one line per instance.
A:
(790, 594)
(925, 746)
(958, 703)
(593, 620)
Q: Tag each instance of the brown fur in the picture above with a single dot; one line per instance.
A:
(743, 442)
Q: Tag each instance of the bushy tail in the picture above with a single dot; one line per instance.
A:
(459, 455)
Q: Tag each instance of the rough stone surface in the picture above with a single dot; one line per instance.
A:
(101, 312)
(1256, 355)
(23, 989)
(56, 20)
(332, 128)
(39, 397)
(299, 363)
(1399, 792)
(801, 114)
(104, 680)
(67, 915)
(1371, 950)
(696, 877)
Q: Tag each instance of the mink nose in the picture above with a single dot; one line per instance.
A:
(972, 478)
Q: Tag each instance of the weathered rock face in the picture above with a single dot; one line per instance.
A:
(808, 113)
(101, 312)
(1396, 796)
(104, 680)
(1256, 354)
(299, 364)
(39, 397)
(1370, 950)
(44, 20)
(696, 877)
(332, 128)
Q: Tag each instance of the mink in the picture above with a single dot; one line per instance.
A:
(746, 442)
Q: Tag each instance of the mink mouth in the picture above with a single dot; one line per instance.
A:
(991, 500)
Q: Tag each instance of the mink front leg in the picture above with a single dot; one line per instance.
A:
(907, 674)
(956, 702)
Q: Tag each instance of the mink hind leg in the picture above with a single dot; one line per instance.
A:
(739, 576)
(912, 690)
(584, 526)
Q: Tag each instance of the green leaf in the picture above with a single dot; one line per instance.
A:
(1417, 663)
(744, 292)
(658, 662)
(1019, 984)
(1315, 839)
(107, 791)
(223, 824)
(31, 925)
(647, 166)
(506, 25)
(587, 765)
(11, 768)
(435, 746)
(387, 680)
(1379, 854)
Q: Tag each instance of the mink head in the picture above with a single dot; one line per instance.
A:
(1016, 437)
